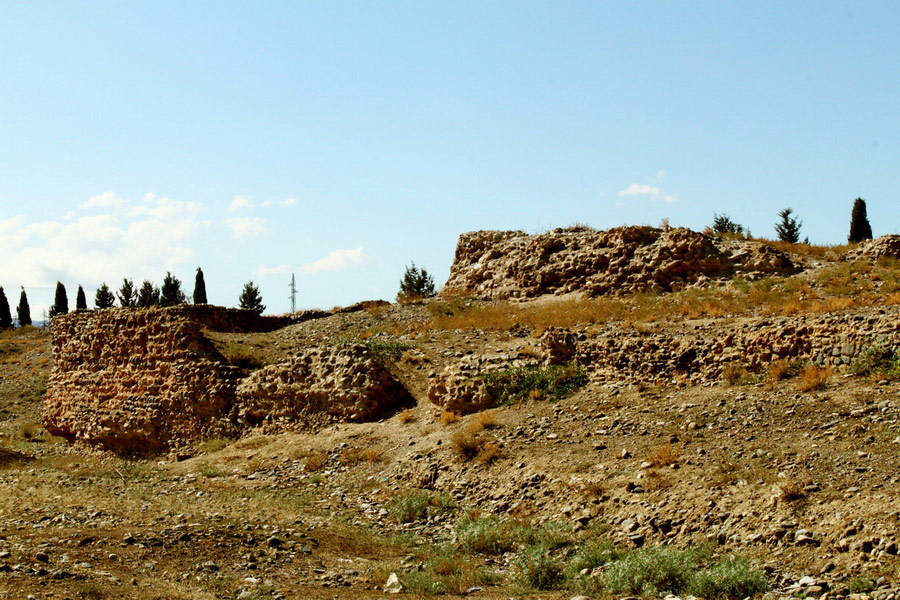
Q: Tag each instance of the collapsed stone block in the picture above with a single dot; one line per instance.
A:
(345, 382)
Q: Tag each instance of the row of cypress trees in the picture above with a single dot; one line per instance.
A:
(168, 294)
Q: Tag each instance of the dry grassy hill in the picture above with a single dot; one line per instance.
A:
(733, 476)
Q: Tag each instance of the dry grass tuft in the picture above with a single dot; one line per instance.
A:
(350, 456)
(486, 419)
(779, 370)
(373, 455)
(813, 377)
(407, 416)
(472, 443)
(664, 455)
(592, 487)
(315, 461)
(488, 452)
(448, 418)
(790, 491)
(736, 375)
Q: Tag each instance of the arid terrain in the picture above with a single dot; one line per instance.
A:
(724, 438)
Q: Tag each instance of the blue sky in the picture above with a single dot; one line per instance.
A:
(342, 140)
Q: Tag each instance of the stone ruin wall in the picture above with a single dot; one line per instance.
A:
(692, 355)
(499, 265)
(138, 378)
(702, 354)
(141, 380)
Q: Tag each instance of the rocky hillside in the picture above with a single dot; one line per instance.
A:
(721, 441)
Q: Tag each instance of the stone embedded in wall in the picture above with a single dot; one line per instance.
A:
(558, 345)
(511, 264)
(344, 382)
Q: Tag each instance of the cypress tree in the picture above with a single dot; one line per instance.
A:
(788, 229)
(251, 299)
(148, 295)
(23, 312)
(127, 295)
(80, 299)
(5, 315)
(199, 288)
(60, 302)
(104, 298)
(860, 229)
(170, 293)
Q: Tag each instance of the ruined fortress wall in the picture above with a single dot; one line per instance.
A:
(132, 378)
(498, 265)
(701, 355)
(141, 380)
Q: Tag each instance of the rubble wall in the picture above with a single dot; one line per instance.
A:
(499, 265)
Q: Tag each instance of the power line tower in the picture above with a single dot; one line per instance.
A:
(293, 287)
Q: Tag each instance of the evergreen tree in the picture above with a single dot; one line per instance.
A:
(788, 229)
(170, 294)
(722, 224)
(199, 288)
(416, 283)
(127, 295)
(5, 315)
(23, 312)
(80, 299)
(859, 222)
(60, 302)
(104, 298)
(251, 299)
(148, 295)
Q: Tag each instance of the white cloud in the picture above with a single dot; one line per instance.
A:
(127, 240)
(282, 203)
(265, 270)
(238, 203)
(105, 200)
(640, 189)
(643, 189)
(242, 227)
(337, 260)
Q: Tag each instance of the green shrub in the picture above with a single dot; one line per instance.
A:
(383, 350)
(486, 535)
(731, 578)
(591, 555)
(416, 504)
(588, 557)
(538, 568)
(446, 572)
(652, 571)
(555, 381)
(492, 535)
(861, 584)
(878, 360)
